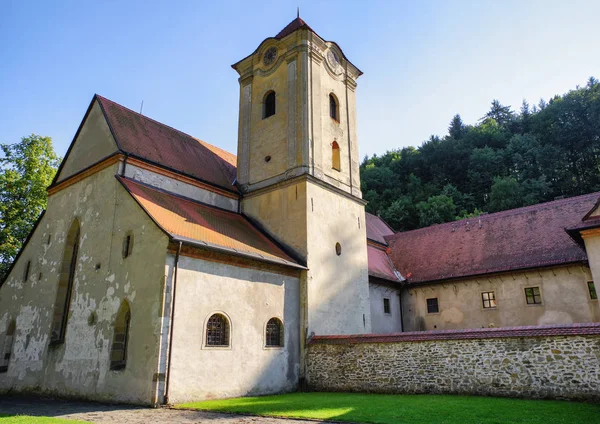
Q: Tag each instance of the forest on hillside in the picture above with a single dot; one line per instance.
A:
(507, 160)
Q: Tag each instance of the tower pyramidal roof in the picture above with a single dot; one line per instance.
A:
(295, 25)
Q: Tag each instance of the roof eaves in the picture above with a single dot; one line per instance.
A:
(231, 251)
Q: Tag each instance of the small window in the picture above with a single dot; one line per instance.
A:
(127, 245)
(533, 296)
(335, 156)
(338, 249)
(217, 331)
(334, 111)
(489, 299)
(386, 306)
(274, 333)
(432, 306)
(7, 348)
(592, 290)
(269, 104)
(118, 351)
(26, 272)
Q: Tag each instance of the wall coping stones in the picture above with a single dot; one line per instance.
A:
(580, 329)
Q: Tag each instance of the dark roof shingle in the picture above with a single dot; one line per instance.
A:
(148, 139)
(528, 237)
(377, 229)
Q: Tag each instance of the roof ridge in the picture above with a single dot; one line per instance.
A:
(508, 212)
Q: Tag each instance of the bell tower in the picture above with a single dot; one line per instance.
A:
(298, 170)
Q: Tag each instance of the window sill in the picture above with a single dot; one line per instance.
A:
(534, 304)
(205, 347)
(273, 347)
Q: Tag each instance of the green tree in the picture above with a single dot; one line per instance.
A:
(506, 193)
(436, 210)
(26, 170)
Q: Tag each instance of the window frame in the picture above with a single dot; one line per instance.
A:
(266, 108)
(533, 295)
(7, 346)
(281, 344)
(70, 284)
(591, 286)
(336, 156)
(437, 305)
(387, 306)
(489, 300)
(122, 364)
(205, 344)
(334, 108)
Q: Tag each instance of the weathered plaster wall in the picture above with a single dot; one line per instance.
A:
(281, 211)
(382, 322)
(337, 286)
(536, 367)
(249, 297)
(80, 366)
(179, 187)
(565, 299)
(93, 143)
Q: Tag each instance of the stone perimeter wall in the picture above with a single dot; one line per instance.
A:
(532, 362)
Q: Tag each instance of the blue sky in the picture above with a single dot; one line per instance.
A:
(423, 61)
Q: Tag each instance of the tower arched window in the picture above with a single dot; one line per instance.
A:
(269, 104)
(334, 110)
(217, 331)
(274, 333)
(65, 284)
(8, 344)
(335, 156)
(118, 350)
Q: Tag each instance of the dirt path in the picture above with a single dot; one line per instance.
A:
(122, 414)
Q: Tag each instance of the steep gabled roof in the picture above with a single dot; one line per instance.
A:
(147, 139)
(377, 229)
(206, 226)
(524, 238)
(380, 265)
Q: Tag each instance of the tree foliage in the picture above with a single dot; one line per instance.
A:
(26, 170)
(508, 159)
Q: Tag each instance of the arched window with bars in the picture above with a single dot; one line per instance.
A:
(217, 331)
(269, 104)
(65, 284)
(9, 339)
(335, 156)
(274, 333)
(118, 350)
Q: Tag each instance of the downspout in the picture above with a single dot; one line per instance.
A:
(172, 325)
(401, 313)
(124, 164)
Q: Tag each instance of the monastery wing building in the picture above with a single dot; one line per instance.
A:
(167, 270)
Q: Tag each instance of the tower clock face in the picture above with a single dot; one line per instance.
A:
(334, 61)
(270, 55)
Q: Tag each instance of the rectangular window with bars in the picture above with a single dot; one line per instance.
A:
(533, 296)
(432, 306)
(592, 290)
(386, 306)
(488, 299)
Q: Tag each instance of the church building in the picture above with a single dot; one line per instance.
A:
(167, 270)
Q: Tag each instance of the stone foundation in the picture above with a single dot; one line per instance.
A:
(533, 362)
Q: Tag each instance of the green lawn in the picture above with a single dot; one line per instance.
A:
(395, 409)
(26, 419)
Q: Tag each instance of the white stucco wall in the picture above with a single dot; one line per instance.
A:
(80, 366)
(382, 322)
(338, 286)
(181, 188)
(249, 297)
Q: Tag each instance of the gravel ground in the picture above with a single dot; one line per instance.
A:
(107, 413)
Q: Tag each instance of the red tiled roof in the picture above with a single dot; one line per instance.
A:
(204, 225)
(380, 265)
(148, 139)
(582, 329)
(528, 237)
(377, 229)
(296, 24)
